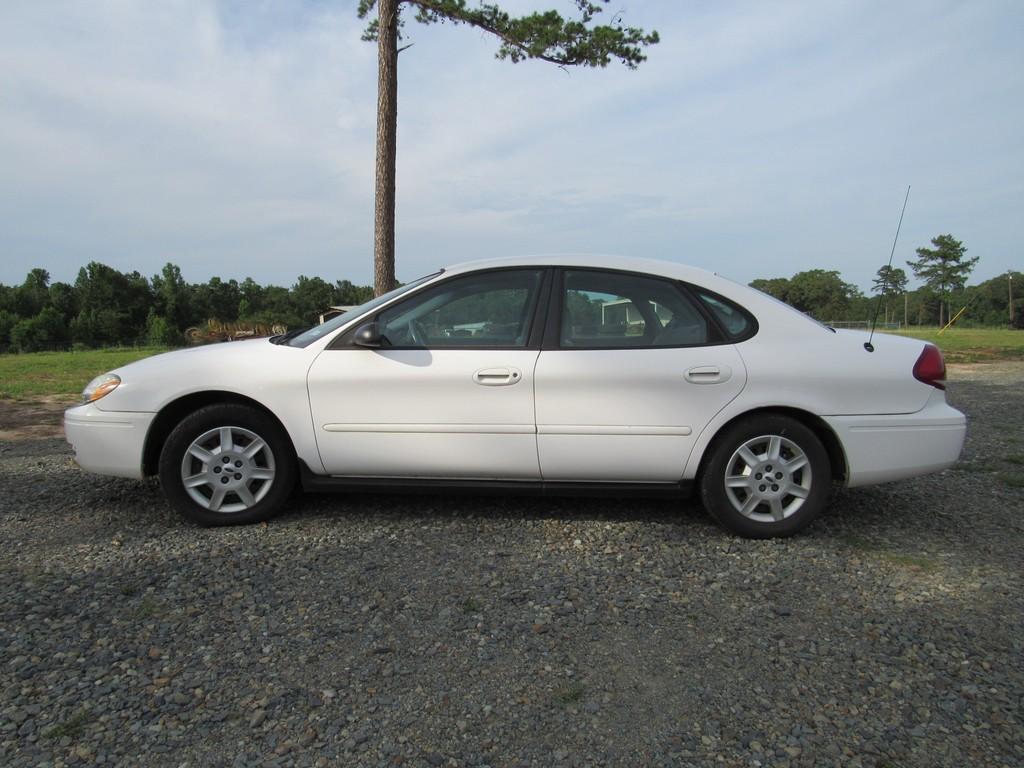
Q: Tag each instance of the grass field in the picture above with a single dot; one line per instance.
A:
(42, 374)
(973, 345)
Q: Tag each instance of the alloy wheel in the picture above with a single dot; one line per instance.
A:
(768, 478)
(228, 469)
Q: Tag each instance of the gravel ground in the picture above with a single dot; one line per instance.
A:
(386, 631)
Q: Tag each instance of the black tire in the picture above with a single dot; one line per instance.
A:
(768, 497)
(251, 488)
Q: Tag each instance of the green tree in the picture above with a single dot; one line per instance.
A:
(251, 302)
(821, 293)
(226, 297)
(546, 36)
(136, 303)
(923, 305)
(278, 307)
(33, 294)
(889, 281)
(348, 295)
(102, 327)
(944, 268)
(217, 299)
(44, 331)
(311, 296)
(97, 286)
(989, 301)
(64, 298)
(104, 298)
(7, 298)
(161, 333)
(7, 322)
(173, 297)
(773, 286)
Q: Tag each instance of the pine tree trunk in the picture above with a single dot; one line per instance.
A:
(387, 129)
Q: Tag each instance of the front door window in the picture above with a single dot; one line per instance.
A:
(492, 310)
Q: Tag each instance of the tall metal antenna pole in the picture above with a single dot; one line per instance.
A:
(867, 344)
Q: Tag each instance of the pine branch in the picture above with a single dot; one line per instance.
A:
(546, 36)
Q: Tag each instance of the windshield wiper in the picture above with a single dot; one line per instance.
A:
(284, 338)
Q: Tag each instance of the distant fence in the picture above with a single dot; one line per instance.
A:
(74, 348)
(865, 324)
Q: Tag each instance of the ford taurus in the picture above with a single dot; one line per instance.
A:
(571, 375)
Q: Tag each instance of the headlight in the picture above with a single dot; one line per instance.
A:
(99, 387)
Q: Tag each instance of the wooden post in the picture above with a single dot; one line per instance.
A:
(387, 131)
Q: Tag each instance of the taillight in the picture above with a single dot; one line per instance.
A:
(930, 367)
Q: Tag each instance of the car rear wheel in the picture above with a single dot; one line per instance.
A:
(766, 476)
(227, 464)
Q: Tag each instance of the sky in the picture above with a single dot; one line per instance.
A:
(236, 138)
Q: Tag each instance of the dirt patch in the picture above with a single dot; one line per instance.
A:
(1002, 372)
(27, 419)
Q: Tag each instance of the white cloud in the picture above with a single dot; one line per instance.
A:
(237, 138)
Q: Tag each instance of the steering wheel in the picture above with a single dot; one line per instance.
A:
(417, 334)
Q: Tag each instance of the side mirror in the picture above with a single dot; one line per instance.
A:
(367, 336)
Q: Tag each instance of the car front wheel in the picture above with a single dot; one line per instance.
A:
(227, 464)
(765, 477)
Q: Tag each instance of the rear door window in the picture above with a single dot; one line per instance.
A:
(624, 310)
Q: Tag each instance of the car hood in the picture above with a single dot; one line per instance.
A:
(244, 367)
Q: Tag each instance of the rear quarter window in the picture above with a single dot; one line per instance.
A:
(737, 322)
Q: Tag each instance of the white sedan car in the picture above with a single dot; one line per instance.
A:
(552, 375)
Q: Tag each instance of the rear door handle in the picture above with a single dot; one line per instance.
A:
(708, 374)
(497, 377)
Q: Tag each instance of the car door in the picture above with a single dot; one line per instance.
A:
(631, 370)
(448, 394)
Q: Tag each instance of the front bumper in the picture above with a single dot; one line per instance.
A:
(107, 442)
(897, 446)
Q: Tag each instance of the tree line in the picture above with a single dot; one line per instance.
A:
(943, 270)
(825, 296)
(105, 307)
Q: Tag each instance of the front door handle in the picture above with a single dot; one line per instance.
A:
(708, 374)
(497, 377)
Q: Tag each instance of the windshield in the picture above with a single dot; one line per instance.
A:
(306, 338)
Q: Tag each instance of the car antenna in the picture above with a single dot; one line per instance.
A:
(878, 304)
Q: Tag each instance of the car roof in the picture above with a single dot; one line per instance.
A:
(760, 304)
(600, 261)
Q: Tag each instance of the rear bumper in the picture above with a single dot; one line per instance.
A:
(107, 442)
(894, 447)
